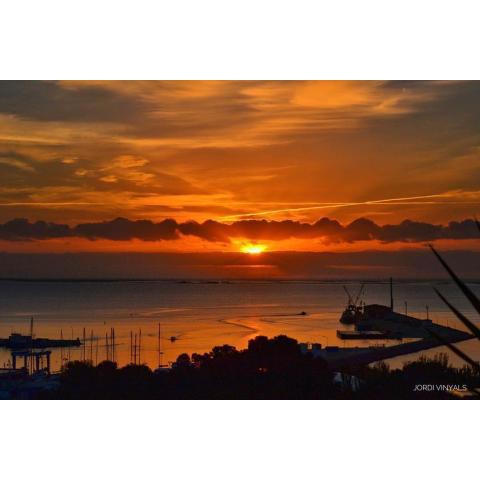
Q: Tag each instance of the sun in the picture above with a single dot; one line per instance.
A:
(253, 248)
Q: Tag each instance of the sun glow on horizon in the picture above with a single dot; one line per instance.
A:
(253, 248)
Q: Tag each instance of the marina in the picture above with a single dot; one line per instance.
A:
(157, 336)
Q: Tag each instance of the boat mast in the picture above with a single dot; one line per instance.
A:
(159, 346)
(31, 344)
(84, 336)
(91, 346)
(391, 293)
(139, 344)
(31, 328)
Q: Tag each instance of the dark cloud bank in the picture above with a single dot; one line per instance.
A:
(329, 230)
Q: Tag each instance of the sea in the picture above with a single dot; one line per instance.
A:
(156, 320)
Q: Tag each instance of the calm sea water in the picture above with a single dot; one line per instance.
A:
(201, 314)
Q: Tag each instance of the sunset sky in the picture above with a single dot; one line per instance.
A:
(246, 167)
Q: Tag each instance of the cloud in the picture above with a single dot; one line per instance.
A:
(81, 172)
(109, 179)
(21, 229)
(15, 160)
(52, 102)
(297, 149)
(330, 231)
(203, 114)
(129, 161)
(124, 229)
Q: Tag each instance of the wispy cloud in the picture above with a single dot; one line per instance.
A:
(283, 150)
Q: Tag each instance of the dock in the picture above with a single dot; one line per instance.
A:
(368, 335)
(376, 354)
(338, 357)
(382, 322)
(17, 341)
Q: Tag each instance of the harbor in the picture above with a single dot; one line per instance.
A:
(198, 316)
(156, 333)
(382, 322)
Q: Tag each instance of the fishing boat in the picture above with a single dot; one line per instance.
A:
(353, 314)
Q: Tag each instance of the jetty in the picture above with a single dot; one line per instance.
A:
(384, 353)
(16, 341)
(367, 335)
(353, 356)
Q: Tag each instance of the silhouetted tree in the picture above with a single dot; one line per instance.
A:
(268, 369)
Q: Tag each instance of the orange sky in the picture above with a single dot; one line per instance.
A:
(80, 152)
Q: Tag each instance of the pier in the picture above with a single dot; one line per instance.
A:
(376, 354)
(28, 358)
(382, 322)
(367, 335)
(17, 341)
(354, 356)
